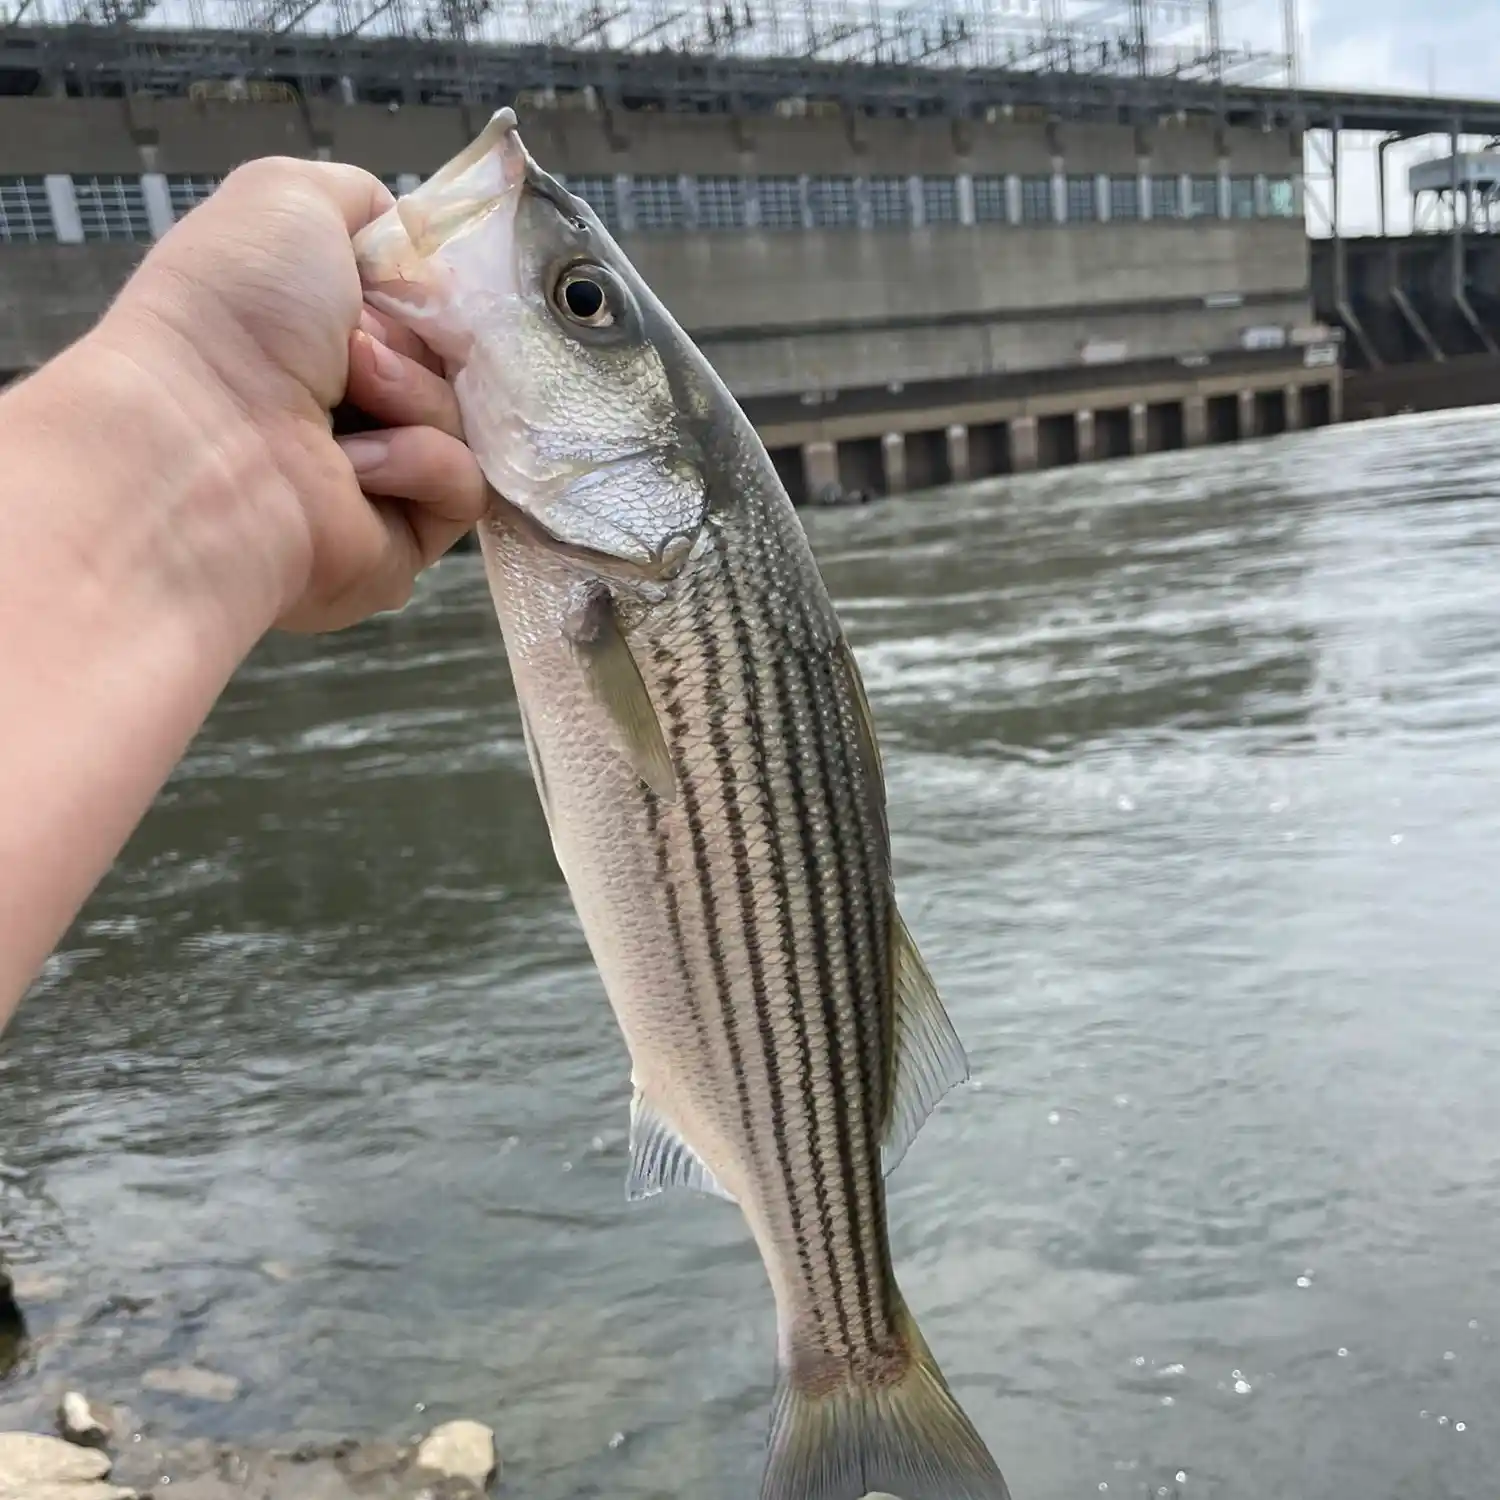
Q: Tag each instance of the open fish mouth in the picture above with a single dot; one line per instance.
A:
(493, 167)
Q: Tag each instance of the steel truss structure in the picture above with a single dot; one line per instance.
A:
(1142, 38)
(1122, 60)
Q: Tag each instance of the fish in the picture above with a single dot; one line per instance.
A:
(706, 757)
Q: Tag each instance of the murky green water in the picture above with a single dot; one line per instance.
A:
(1195, 786)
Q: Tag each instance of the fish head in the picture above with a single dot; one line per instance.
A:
(546, 333)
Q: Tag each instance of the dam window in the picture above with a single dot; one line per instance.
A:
(599, 194)
(831, 200)
(658, 203)
(780, 203)
(1124, 198)
(940, 200)
(990, 205)
(112, 208)
(1203, 198)
(1166, 198)
(1241, 197)
(890, 202)
(721, 203)
(186, 193)
(1083, 200)
(1281, 198)
(1036, 200)
(25, 212)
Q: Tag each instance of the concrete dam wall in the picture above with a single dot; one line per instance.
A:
(896, 302)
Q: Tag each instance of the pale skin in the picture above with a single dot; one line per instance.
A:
(171, 490)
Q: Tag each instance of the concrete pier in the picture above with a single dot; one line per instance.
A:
(1083, 435)
(1194, 421)
(1023, 445)
(820, 468)
(893, 460)
(1292, 394)
(957, 436)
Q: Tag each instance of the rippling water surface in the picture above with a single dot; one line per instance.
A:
(1195, 791)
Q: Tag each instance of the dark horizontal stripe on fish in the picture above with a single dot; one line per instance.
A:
(809, 799)
(720, 593)
(867, 930)
(745, 645)
(846, 1013)
(672, 904)
(708, 901)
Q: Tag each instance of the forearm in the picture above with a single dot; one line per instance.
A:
(123, 615)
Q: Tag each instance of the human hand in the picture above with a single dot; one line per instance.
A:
(248, 317)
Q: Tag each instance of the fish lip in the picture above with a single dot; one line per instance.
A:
(500, 130)
(388, 249)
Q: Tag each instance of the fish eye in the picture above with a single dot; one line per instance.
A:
(582, 298)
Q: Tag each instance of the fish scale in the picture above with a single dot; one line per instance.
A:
(712, 783)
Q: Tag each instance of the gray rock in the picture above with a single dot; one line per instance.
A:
(460, 1450)
(79, 1423)
(34, 1286)
(36, 1467)
(94, 1490)
(189, 1380)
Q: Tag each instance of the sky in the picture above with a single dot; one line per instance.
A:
(1415, 46)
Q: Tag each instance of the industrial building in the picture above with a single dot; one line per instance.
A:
(907, 271)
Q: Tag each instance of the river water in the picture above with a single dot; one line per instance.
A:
(1195, 788)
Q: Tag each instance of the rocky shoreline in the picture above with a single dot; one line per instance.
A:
(100, 1453)
(107, 1452)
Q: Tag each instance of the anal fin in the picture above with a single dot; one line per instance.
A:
(928, 1056)
(660, 1158)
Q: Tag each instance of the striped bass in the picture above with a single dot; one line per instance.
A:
(707, 762)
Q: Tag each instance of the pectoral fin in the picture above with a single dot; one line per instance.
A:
(616, 683)
(928, 1056)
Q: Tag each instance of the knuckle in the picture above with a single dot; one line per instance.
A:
(262, 172)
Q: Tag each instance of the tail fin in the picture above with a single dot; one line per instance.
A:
(910, 1439)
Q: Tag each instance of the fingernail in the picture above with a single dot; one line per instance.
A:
(371, 326)
(365, 452)
(388, 364)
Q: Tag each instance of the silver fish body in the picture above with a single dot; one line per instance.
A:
(708, 766)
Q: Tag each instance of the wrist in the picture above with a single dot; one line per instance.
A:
(134, 579)
(177, 500)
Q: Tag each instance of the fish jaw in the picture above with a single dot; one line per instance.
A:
(576, 428)
(417, 260)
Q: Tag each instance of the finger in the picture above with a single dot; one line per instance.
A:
(415, 539)
(434, 473)
(398, 391)
(386, 330)
(360, 196)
